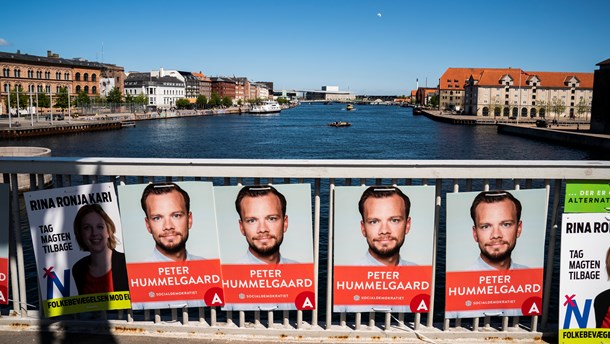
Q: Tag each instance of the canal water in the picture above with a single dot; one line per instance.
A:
(377, 132)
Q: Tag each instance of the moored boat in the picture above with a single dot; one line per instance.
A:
(339, 124)
(268, 106)
(349, 107)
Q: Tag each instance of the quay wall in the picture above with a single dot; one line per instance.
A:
(18, 132)
(565, 137)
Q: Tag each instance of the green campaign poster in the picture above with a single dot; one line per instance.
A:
(587, 196)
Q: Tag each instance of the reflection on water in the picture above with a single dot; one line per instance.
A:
(377, 132)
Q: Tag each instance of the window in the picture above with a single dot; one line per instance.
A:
(523, 112)
(534, 96)
(533, 90)
(573, 91)
(78, 89)
(533, 103)
(533, 112)
(93, 77)
(94, 90)
(485, 111)
(66, 76)
(47, 75)
(86, 77)
(57, 89)
(30, 74)
(572, 104)
(39, 88)
(58, 76)
(6, 87)
(87, 89)
(17, 73)
(506, 96)
(77, 76)
(515, 112)
(5, 72)
(38, 75)
(506, 112)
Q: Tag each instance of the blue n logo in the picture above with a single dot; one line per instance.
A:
(53, 279)
(572, 309)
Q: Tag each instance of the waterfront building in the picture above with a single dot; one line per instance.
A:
(515, 93)
(600, 108)
(259, 91)
(423, 95)
(205, 84)
(329, 93)
(162, 90)
(40, 74)
(224, 87)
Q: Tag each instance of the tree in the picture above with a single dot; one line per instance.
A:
(141, 99)
(495, 106)
(227, 101)
(282, 100)
(543, 107)
(82, 99)
(182, 103)
(433, 101)
(114, 98)
(557, 107)
(43, 100)
(23, 98)
(583, 107)
(215, 100)
(202, 101)
(61, 101)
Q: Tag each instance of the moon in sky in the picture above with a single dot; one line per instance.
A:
(379, 14)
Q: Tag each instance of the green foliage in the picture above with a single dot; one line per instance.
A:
(227, 101)
(61, 101)
(557, 106)
(115, 96)
(583, 107)
(43, 100)
(140, 99)
(202, 101)
(82, 99)
(433, 101)
(282, 100)
(215, 100)
(182, 103)
(23, 98)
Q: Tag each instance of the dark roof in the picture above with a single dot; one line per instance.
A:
(57, 61)
(605, 62)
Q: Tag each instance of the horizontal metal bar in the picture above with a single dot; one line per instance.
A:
(536, 169)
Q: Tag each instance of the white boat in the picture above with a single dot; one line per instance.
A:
(268, 106)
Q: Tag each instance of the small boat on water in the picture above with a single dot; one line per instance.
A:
(268, 106)
(339, 124)
(417, 110)
(126, 124)
(349, 107)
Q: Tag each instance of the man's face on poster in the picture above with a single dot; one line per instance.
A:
(168, 221)
(385, 224)
(496, 229)
(262, 223)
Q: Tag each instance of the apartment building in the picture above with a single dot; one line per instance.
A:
(512, 92)
(48, 74)
(162, 90)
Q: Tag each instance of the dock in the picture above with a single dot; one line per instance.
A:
(565, 133)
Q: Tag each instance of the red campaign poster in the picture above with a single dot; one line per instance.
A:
(4, 228)
(495, 253)
(383, 248)
(266, 247)
(171, 245)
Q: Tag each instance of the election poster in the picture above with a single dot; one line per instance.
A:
(171, 245)
(266, 246)
(4, 228)
(78, 245)
(584, 291)
(495, 253)
(383, 248)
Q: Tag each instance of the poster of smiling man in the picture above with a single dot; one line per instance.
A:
(78, 244)
(383, 250)
(266, 243)
(4, 228)
(172, 245)
(495, 250)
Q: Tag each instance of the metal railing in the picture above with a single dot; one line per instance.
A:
(447, 176)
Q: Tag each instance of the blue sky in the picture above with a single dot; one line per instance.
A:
(367, 47)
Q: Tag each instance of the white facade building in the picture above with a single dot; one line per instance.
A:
(162, 90)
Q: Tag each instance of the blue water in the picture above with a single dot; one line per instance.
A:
(377, 132)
